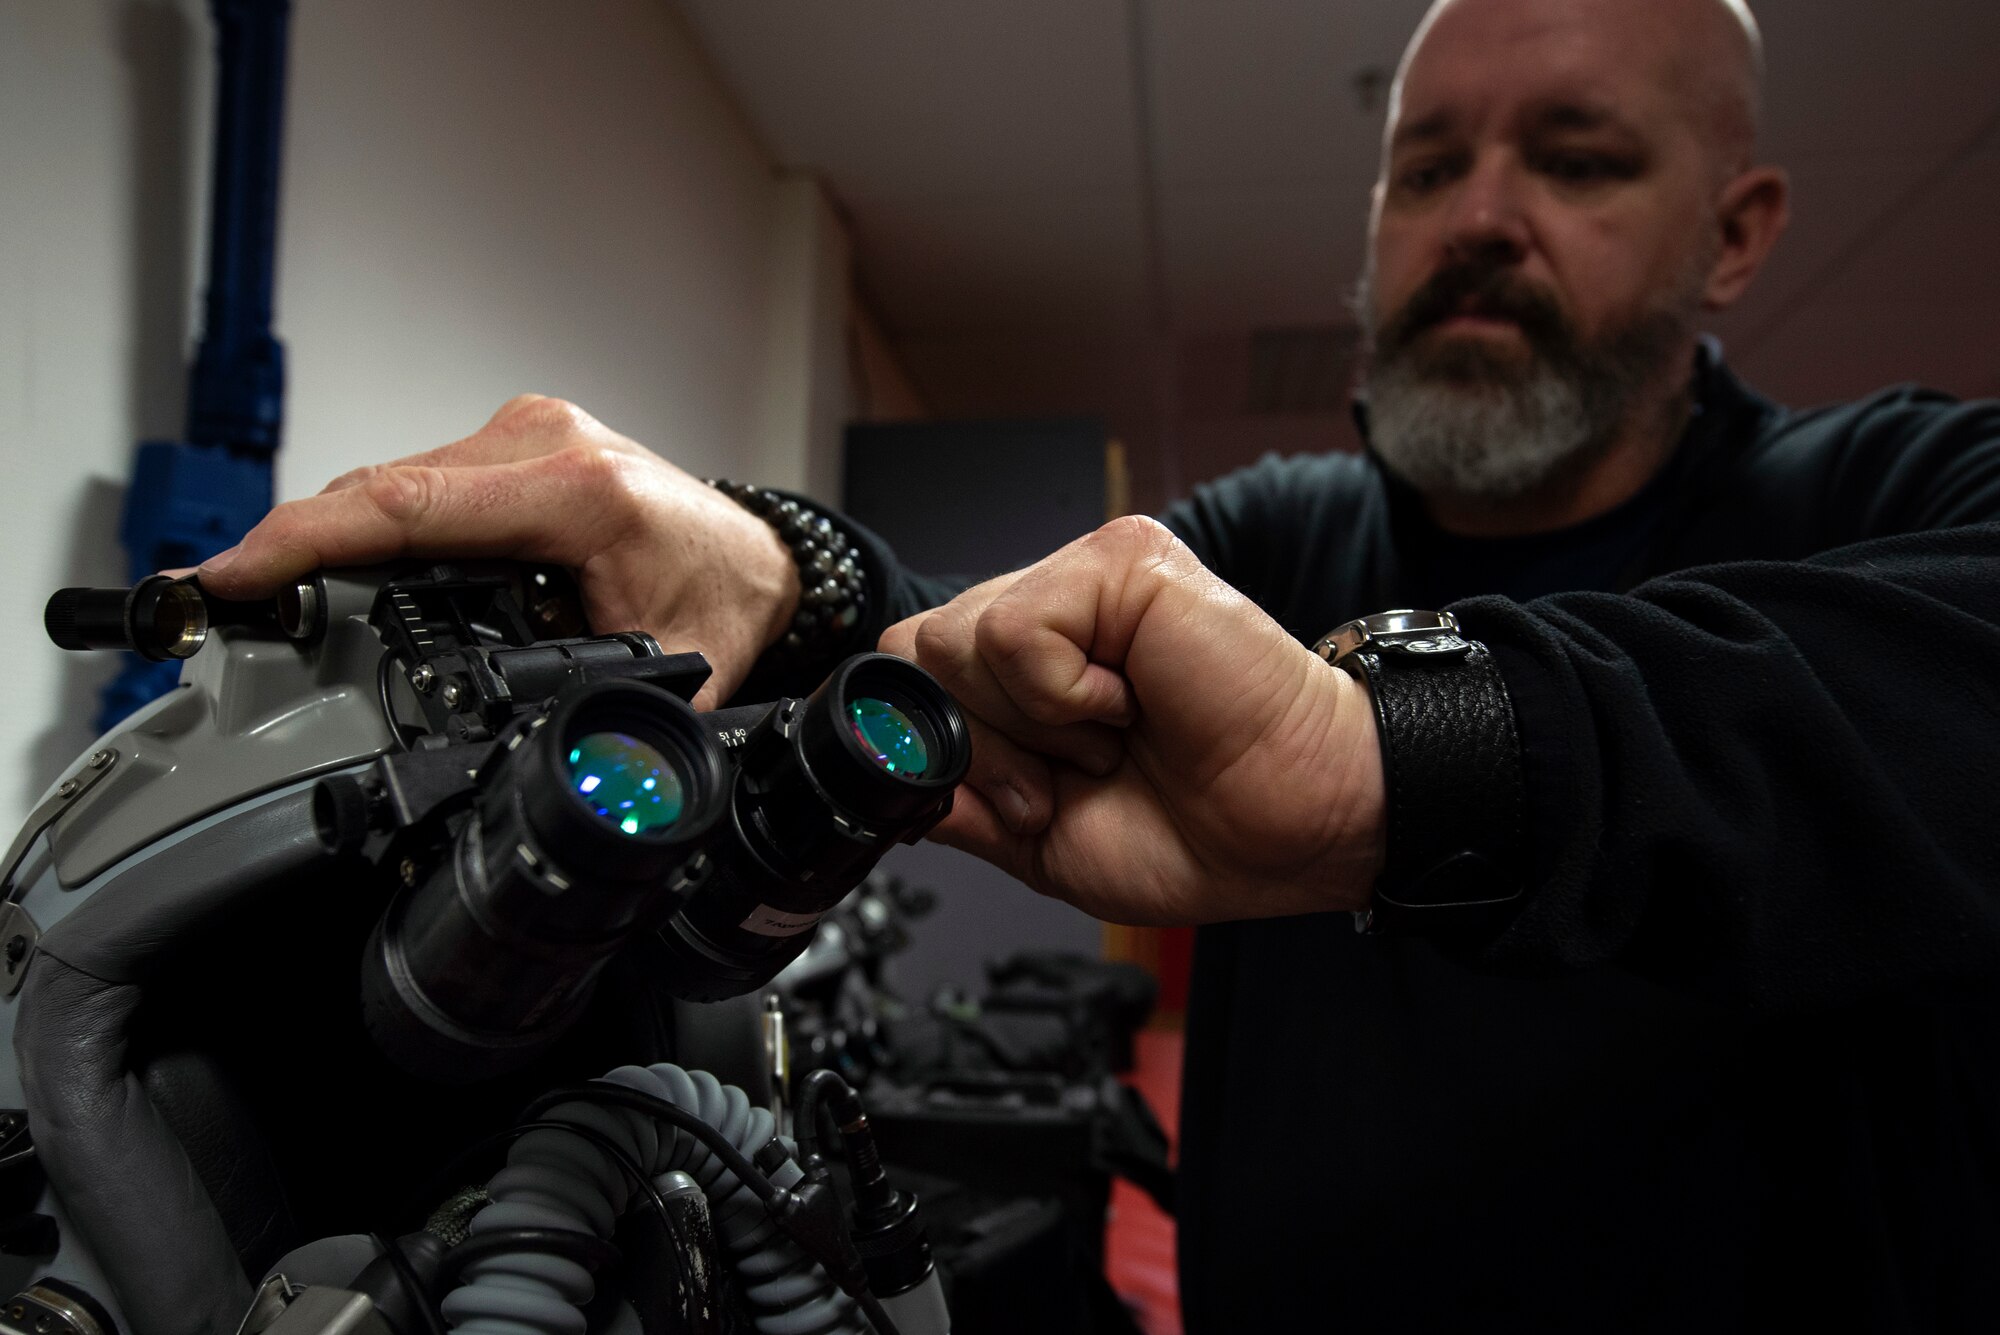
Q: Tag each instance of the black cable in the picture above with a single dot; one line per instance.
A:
(386, 700)
(414, 1287)
(871, 1307)
(806, 1124)
(586, 1249)
(773, 1196)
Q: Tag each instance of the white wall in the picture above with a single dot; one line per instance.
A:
(481, 197)
(808, 382)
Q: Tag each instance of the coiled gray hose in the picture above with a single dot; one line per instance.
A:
(556, 1180)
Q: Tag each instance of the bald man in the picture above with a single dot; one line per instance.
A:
(1677, 998)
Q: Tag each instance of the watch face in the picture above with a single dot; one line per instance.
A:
(1405, 622)
(1391, 629)
(1442, 644)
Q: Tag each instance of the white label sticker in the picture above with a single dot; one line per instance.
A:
(767, 921)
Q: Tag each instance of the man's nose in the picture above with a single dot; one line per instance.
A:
(1488, 220)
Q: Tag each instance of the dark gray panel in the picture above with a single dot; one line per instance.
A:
(982, 913)
(976, 499)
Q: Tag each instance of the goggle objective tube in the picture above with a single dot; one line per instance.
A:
(589, 825)
(824, 787)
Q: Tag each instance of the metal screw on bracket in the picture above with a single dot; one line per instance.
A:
(99, 759)
(68, 788)
(452, 695)
(422, 678)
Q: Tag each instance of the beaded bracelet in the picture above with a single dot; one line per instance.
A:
(833, 590)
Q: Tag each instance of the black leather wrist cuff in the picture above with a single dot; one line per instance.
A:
(833, 589)
(1451, 760)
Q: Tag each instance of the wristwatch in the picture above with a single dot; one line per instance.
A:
(1451, 760)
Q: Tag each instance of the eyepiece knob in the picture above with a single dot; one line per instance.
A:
(80, 619)
(158, 618)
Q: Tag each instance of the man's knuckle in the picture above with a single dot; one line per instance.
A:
(406, 495)
(899, 639)
(937, 641)
(519, 403)
(1139, 533)
(596, 470)
(546, 418)
(353, 477)
(1003, 633)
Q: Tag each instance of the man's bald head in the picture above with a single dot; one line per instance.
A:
(1708, 55)
(1566, 186)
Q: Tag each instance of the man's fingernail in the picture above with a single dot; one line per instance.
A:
(1012, 806)
(220, 561)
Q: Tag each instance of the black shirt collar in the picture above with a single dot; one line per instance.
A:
(1596, 553)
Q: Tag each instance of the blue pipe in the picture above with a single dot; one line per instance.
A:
(189, 498)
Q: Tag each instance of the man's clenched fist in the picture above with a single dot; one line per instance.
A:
(1150, 746)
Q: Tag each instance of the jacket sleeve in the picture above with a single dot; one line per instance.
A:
(1779, 781)
(1274, 529)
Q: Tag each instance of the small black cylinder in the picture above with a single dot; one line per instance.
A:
(159, 618)
(588, 826)
(86, 618)
(825, 787)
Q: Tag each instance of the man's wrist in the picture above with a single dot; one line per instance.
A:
(1361, 847)
(1454, 857)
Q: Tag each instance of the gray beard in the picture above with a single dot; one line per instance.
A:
(1459, 421)
(1486, 442)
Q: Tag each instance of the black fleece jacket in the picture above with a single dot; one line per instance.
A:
(1735, 1063)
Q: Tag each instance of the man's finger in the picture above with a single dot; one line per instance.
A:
(547, 510)
(946, 646)
(974, 827)
(528, 426)
(953, 659)
(1046, 673)
(1058, 638)
(1015, 783)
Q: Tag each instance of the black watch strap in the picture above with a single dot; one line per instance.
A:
(1451, 760)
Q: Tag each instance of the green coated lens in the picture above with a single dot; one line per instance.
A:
(626, 781)
(886, 733)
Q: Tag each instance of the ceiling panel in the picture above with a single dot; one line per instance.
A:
(1053, 260)
(1866, 76)
(1243, 256)
(905, 98)
(1267, 90)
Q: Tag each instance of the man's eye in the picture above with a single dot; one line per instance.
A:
(1584, 168)
(1423, 177)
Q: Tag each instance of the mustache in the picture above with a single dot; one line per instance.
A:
(1483, 288)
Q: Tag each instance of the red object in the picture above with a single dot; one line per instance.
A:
(1176, 958)
(1139, 1246)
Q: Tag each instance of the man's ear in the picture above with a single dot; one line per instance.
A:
(1751, 212)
